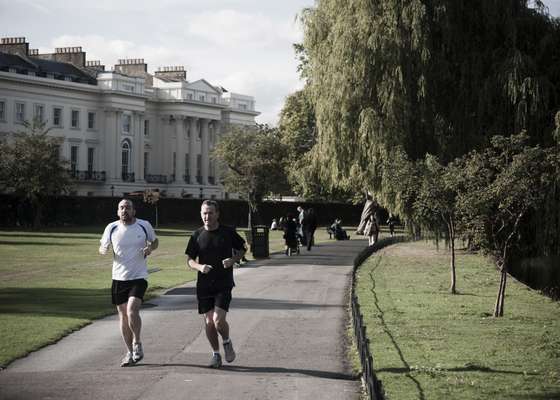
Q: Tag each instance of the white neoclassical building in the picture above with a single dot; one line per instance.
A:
(123, 130)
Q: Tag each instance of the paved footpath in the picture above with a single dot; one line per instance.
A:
(288, 321)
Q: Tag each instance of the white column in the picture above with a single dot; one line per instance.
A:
(192, 150)
(117, 149)
(180, 149)
(204, 150)
(137, 166)
(217, 165)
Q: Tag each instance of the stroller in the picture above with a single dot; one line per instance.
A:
(291, 237)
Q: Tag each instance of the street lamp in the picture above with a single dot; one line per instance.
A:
(112, 191)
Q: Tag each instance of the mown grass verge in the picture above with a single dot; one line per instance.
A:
(429, 344)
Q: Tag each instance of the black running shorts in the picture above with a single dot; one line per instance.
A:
(122, 290)
(208, 301)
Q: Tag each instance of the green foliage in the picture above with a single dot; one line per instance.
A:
(254, 158)
(422, 77)
(498, 187)
(30, 166)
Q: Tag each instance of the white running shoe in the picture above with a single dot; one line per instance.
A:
(127, 360)
(216, 361)
(137, 352)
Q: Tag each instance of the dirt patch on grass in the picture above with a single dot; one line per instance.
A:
(419, 249)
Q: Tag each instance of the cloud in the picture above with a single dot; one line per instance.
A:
(236, 29)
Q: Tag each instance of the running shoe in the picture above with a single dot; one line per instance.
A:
(137, 352)
(229, 352)
(216, 361)
(127, 360)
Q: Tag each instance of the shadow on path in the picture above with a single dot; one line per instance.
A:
(261, 370)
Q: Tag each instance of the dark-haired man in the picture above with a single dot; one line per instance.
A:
(213, 250)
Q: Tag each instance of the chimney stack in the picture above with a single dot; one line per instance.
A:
(174, 72)
(71, 55)
(14, 45)
(95, 66)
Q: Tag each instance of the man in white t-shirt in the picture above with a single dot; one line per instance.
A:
(132, 240)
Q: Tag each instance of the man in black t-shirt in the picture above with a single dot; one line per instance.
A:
(213, 250)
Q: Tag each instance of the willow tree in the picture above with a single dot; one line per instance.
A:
(437, 76)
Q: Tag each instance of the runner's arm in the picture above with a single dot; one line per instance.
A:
(193, 264)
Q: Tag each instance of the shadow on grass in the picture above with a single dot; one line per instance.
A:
(381, 315)
(538, 396)
(468, 368)
(57, 302)
(18, 243)
(47, 235)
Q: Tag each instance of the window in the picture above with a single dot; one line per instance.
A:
(187, 172)
(91, 120)
(75, 119)
(20, 113)
(126, 123)
(202, 98)
(146, 127)
(243, 106)
(189, 96)
(39, 113)
(174, 163)
(73, 159)
(146, 163)
(57, 116)
(214, 99)
(2, 110)
(57, 152)
(91, 156)
(125, 158)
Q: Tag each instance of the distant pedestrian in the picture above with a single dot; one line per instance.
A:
(391, 222)
(132, 240)
(274, 225)
(213, 250)
(300, 217)
(291, 235)
(309, 225)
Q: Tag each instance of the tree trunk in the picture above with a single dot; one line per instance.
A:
(453, 288)
(499, 306)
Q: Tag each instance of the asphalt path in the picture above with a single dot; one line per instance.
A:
(288, 322)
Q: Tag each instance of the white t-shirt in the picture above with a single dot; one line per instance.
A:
(128, 241)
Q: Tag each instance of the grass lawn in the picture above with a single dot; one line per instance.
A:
(429, 344)
(54, 281)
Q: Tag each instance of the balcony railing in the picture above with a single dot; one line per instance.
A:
(157, 178)
(127, 176)
(88, 176)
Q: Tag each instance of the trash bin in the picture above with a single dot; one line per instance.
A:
(259, 241)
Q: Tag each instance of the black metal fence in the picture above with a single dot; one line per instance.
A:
(373, 385)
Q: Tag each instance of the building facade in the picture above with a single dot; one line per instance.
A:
(123, 130)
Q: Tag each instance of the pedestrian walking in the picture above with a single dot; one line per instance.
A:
(213, 250)
(132, 240)
(309, 227)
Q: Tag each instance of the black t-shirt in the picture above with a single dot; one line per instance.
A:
(212, 247)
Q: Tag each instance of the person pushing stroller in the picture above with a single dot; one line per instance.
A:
(291, 236)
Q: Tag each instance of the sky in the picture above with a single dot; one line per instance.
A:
(243, 45)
